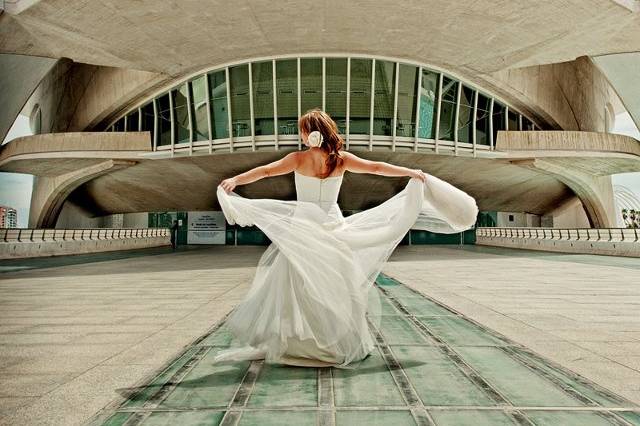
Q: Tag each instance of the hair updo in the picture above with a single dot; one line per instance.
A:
(316, 119)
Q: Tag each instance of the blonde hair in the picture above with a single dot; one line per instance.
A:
(317, 119)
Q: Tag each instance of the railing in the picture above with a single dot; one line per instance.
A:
(630, 235)
(13, 235)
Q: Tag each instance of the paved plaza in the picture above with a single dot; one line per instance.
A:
(469, 335)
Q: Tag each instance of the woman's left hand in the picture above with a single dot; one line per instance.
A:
(228, 184)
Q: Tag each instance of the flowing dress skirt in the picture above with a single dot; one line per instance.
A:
(313, 286)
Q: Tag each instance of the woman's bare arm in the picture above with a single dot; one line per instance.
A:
(355, 164)
(287, 164)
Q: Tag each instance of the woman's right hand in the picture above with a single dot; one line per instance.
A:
(417, 173)
(228, 184)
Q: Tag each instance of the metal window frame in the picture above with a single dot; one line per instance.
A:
(395, 107)
(275, 106)
(475, 117)
(253, 130)
(491, 124)
(189, 87)
(324, 82)
(348, 115)
(171, 116)
(229, 118)
(456, 118)
(520, 122)
(156, 113)
(438, 111)
(299, 101)
(506, 117)
(418, 93)
(207, 88)
(139, 119)
(373, 92)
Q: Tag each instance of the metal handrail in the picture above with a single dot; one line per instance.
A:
(13, 235)
(571, 234)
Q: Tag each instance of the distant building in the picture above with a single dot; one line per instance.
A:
(8, 217)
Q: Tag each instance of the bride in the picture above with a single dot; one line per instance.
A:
(312, 297)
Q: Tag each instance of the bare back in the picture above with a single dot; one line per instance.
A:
(312, 163)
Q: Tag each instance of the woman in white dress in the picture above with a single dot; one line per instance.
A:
(313, 289)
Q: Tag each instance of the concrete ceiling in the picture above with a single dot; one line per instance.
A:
(177, 37)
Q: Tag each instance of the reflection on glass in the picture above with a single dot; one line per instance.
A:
(132, 121)
(383, 100)
(181, 114)
(147, 119)
(198, 92)
(360, 97)
(448, 108)
(218, 104)
(336, 97)
(164, 120)
(498, 120)
(428, 100)
(407, 87)
(310, 83)
(513, 120)
(240, 108)
(482, 120)
(262, 76)
(287, 99)
(465, 115)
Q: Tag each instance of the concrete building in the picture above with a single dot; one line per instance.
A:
(140, 109)
(8, 217)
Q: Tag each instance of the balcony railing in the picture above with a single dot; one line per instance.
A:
(629, 235)
(47, 235)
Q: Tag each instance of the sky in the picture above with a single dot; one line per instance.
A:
(15, 188)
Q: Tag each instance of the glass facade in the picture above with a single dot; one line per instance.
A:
(448, 108)
(482, 120)
(383, 99)
(360, 96)
(262, 86)
(181, 123)
(428, 104)
(287, 96)
(198, 105)
(465, 115)
(204, 107)
(240, 108)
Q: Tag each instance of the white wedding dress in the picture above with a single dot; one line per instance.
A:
(313, 286)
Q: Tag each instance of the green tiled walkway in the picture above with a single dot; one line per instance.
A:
(432, 367)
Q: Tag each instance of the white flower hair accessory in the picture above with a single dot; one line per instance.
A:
(315, 138)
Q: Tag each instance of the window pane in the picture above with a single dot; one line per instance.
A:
(119, 125)
(336, 97)
(262, 76)
(428, 99)
(383, 100)
(482, 120)
(498, 120)
(147, 119)
(513, 120)
(407, 87)
(526, 123)
(360, 97)
(181, 114)
(311, 83)
(465, 115)
(198, 92)
(287, 89)
(218, 105)
(164, 120)
(448, 108)
(240, 108)
(132, 121)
